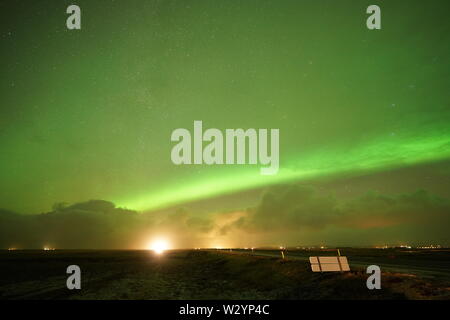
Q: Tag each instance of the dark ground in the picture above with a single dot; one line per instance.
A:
(203, 274)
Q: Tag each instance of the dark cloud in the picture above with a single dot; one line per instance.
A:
(98, 224)
(295, 213)
(92, 224)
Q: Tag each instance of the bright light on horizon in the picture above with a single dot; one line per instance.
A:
(159, 246)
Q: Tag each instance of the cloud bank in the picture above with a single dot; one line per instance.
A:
(286, 215)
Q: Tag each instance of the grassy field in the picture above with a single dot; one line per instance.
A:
(216, 274)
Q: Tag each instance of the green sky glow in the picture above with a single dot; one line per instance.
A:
(88, 114)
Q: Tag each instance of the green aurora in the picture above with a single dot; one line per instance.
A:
(367, 158)
(87, 114)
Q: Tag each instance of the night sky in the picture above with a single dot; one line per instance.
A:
(87, 115)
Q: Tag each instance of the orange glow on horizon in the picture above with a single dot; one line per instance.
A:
(159, 246)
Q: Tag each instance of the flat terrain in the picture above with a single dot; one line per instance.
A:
(221, 274)
(428, 264)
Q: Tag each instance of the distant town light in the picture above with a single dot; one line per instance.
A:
(159, 246)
